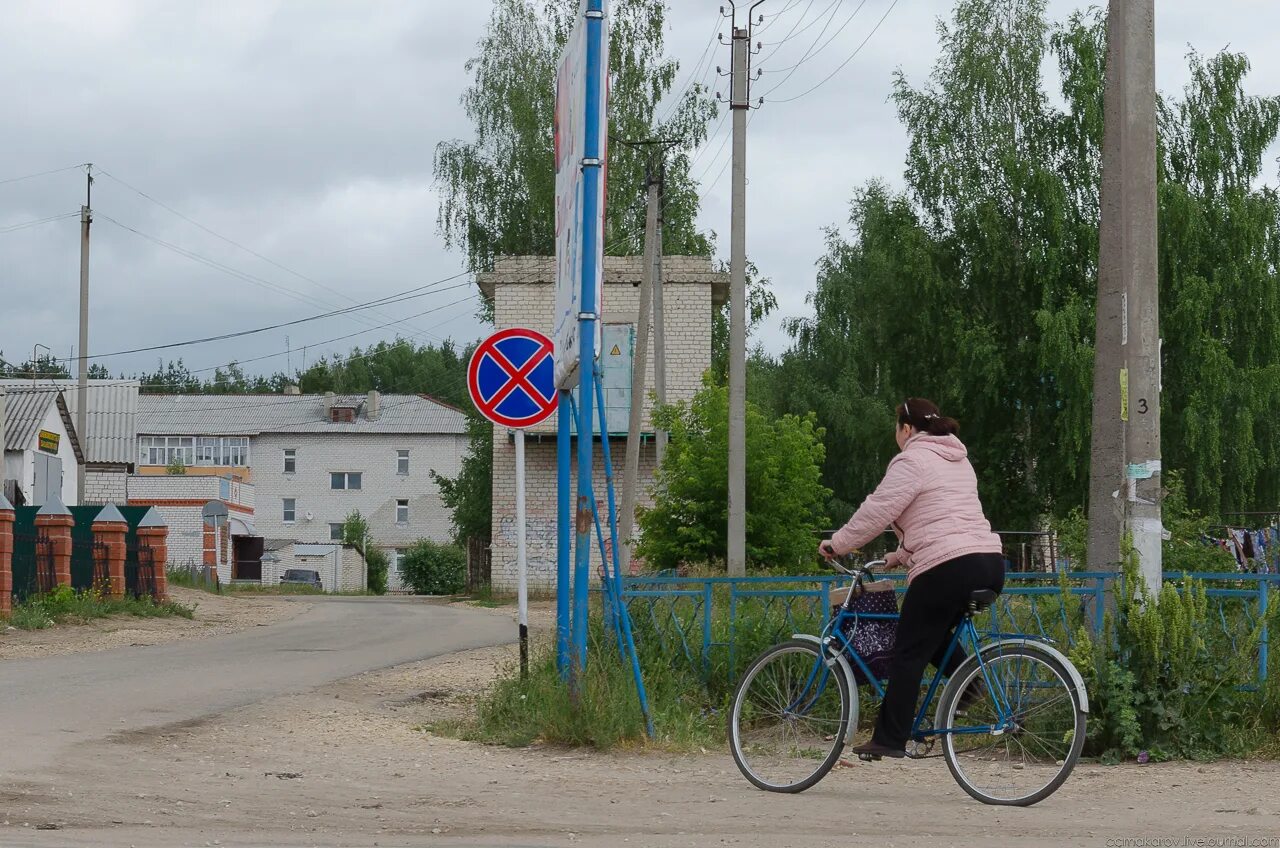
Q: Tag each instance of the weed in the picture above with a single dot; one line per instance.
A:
(65, 605)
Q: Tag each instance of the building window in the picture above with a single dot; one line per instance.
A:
(344, 480)
(235, 450)
(402, 462)
(398, 560)
(194, 450)
(165, 450)
(335, 532)
(290, 460)
(290, 510)
(402, 511)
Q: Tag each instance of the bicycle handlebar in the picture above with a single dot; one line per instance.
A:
(860, 572)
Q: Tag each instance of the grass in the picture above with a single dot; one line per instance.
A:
(192, 579)
(66, 606)
(278, 589)
(689, 704)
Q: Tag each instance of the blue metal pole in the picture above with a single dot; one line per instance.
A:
(591, 212)
(563, 537)
(1264, 586)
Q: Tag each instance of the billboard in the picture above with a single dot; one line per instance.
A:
(571, 117)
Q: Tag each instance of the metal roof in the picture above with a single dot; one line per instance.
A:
(253, 415)
(110, 421)
(25, 411)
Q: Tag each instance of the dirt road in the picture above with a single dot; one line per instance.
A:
(346, 764)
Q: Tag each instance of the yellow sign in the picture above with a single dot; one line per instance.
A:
(616, 351)
(49, 441)
(1124, 394)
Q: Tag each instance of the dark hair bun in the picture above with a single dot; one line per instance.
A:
(923, 415)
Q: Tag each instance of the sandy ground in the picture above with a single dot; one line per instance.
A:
(214, 615)
(349, 765)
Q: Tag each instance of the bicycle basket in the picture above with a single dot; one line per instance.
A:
(872, 638)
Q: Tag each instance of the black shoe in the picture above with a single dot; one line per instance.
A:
(870, 751)
(976, 692)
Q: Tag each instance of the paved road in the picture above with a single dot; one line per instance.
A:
(49, 705)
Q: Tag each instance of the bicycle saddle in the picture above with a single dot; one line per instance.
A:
(980, 599)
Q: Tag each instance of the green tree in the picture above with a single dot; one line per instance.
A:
(785, 497)
(498, 190)
(355, 532)
(45, 367)
(433, 568)
(976, 285)
(469, 496)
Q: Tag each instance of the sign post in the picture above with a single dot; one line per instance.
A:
(511, 379)
(580, 157)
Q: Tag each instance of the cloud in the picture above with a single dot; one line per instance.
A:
(305, 131)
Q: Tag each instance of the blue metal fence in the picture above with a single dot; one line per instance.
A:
(680, 613)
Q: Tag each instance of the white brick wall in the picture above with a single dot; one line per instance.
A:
(105, 487)
(186, 535)
(688, 303)
(186, 521)
(374, 456)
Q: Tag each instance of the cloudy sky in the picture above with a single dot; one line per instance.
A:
(294, 140)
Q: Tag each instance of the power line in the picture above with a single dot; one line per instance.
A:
(232, 242)
(389, 300)
(701, 151)
(825, 44)
(43, 174)
(808, 52)
(841, 66)
(278, 353)
(773, 18)
(792, 33)
(720, 173)
(675, 104)
(25, 224)
(385, 301)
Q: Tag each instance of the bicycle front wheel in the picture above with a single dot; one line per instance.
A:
(790, 718)
(1020, 734)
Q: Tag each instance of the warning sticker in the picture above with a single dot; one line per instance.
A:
(616, 351)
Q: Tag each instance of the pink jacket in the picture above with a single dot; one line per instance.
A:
(929, 496)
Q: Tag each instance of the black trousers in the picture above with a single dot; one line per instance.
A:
(934, 604)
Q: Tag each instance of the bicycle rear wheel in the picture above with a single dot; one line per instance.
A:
(1025, 757)
(790, 718)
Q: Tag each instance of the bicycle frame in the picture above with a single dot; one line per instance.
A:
(833, 635)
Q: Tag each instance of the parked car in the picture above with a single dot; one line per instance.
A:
(302, 577)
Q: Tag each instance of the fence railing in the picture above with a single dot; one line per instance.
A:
(716, 624)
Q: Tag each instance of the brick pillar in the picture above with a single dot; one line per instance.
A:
(157, 539)
(54, 523)
(6, 557)
(110, 529)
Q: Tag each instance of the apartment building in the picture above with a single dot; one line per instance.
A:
(312, 460)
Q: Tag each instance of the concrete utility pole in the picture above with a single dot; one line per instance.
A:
(631, 475)
(739, 103)
(1126, 461)
(82, 392)
(659, 320)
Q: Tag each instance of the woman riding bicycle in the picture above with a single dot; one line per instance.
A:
(929, 496)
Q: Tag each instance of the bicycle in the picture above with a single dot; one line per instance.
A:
(796, 708)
